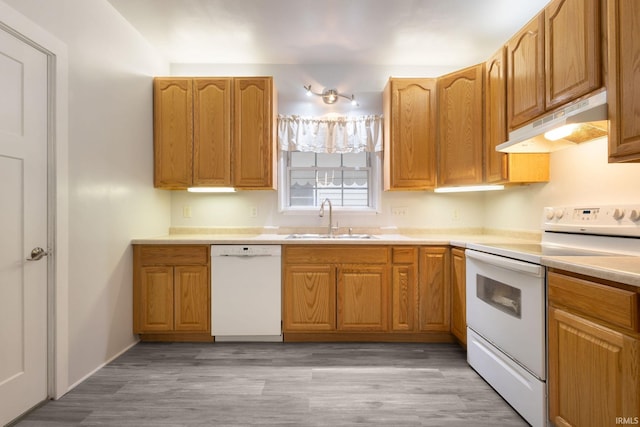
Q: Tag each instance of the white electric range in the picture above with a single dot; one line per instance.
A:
(506, 297)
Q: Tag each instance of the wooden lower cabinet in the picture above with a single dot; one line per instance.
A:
(171, 293)
(309, 298)
(458, 295)
(362, 298)
(434, 293)
(594, 352)
(366, 293)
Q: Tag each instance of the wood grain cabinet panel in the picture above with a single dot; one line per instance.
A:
(309, 295)
(254, 133)
(623, 85)
(362, 298)
(461, 127)
(572, 50)
(156, 292)
(404, 288)
(434, 292)
(172, 292)
(458, 295)
(173, 132)
(410, 134)
(212, 99)
(594, 351)
(525, 73)
(191, 289)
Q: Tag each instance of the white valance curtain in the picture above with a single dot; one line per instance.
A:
(330, 135)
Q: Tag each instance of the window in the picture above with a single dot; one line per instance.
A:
(349, 180)
(338, 158)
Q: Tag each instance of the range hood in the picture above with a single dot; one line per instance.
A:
(587, 117)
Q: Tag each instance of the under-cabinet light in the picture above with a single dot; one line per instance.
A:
(561, 132)
(211, 190)
(469, 188)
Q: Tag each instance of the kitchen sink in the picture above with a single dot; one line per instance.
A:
(327, 236)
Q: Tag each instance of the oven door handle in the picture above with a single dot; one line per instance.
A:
(508, 263)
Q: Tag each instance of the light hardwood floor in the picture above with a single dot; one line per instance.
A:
(282, 384)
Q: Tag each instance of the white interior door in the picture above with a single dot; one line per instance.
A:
(23, 226)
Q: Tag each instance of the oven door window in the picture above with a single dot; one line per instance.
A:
(500, 296)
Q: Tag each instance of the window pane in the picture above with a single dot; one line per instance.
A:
(329, 160)
(342, 178)
(354, 160)
(356, 178)
(300, 159)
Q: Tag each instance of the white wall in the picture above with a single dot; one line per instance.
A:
(579, 175)
(111, 196)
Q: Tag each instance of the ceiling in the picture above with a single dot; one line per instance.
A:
(450, 33)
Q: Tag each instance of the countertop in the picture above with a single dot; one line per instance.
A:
(622, 269)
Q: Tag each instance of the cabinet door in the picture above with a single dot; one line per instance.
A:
(212, 132)
(410, 134)
(458, 295)
(173, 132)
(496, 117)
(434, 293)
(593, 372)
(309, 298)
(572, 50)
(191, 287)
(525, 73)
(254, 133)
(623, 85)
(156, 299)
(403, 278)
(461, 130)
(362, 298)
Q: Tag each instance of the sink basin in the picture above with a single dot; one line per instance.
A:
(326, 236)
(308, 236)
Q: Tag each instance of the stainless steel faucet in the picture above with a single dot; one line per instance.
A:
(331, 227)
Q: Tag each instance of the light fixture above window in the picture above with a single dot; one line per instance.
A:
(331, 96)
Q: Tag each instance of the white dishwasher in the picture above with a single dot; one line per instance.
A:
(246, 293)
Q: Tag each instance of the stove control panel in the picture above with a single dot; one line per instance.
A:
(612, 220)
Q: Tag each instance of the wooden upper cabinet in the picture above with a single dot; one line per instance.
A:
(496, 117)
(525, 73)
(460, 127)
(212, 132)
(254, 133)
(502, 167)
(173, 132)
(572, 50)
(410, 134)
(623, 85)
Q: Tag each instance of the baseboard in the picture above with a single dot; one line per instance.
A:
(111, 359)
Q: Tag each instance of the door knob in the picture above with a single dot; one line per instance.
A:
(37, 254)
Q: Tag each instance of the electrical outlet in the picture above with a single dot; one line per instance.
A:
(253, 211)
(186, 212)
(399, 211)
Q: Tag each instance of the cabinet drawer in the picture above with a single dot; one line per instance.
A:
(613, 305)
(323, 254)
(173, 254)
(403, 255)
